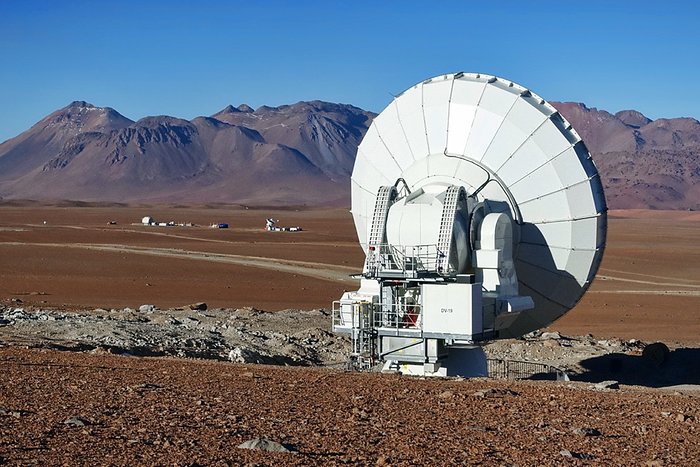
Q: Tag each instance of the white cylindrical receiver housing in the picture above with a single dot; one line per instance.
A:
(414, 222)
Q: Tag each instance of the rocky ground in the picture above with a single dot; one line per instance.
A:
(73, 408)
(303, 338)
(247, 335)
(72, 391)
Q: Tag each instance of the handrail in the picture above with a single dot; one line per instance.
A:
(406, 260)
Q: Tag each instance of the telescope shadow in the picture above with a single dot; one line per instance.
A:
(679, 367)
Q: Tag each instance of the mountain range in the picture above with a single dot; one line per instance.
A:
(290, 155)
(643, 163)
(300, 154)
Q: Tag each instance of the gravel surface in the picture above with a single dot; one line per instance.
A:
(246, 335)
(81, 409)
(303, 338)
(75, 390)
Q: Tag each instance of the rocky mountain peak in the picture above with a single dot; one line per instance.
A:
(633, 118)
(79, 105)
(229, 109)
(80, 117)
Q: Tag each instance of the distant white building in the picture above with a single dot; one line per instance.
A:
(148, 220)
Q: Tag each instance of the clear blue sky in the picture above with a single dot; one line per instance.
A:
(190, 58)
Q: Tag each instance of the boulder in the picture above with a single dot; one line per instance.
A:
(611, 384)
(262, 444)
(77, 421)
(243, 355)
(585, 431)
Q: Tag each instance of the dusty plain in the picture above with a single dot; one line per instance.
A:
(65, 256)
(192, 412)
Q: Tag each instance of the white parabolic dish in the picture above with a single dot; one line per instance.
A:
(515, 150)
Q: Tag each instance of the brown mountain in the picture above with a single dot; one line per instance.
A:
(643, 163)
(296, 154)
(299, 154)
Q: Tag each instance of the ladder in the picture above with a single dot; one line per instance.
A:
(385, 196)
(364, 337)
(453, 196)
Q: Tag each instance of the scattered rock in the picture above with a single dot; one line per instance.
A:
(18, 313)
(586, 431)
(243, 355)
(191, 321)
(147, 308)
(199, 306)
(262, 444)
(550, 335)
(495, 392)
(145, 387)
(446, 395)
(483, 429)
(4, 411)
(611, 384)
(383, 461)
(576, 455)
(360, 414)
(77, 421)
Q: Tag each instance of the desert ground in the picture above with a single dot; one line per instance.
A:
(648, 286)
(183, 411)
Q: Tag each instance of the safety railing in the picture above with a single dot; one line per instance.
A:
(398, 316)
(357, 314)
(336, 316)
(517, 369)
(356, 318)
(408, 261)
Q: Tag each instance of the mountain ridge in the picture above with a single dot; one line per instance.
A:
(300, 154)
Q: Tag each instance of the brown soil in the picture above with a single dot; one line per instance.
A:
(648, 286)
(77, 260)
(187, 412)
(175, 412)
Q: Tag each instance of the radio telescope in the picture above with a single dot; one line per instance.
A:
(482, 216)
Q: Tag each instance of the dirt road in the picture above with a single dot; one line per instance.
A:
(305, 268)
